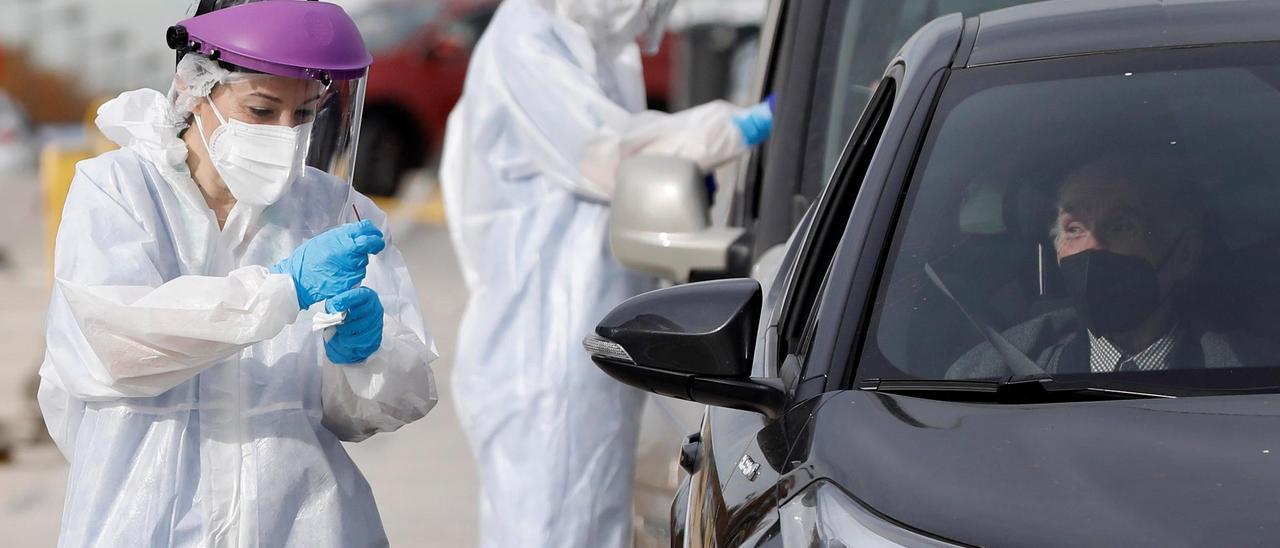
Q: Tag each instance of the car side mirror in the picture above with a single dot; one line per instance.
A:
(693, 342)
(660, 220)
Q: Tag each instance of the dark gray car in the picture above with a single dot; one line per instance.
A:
(1034, 306)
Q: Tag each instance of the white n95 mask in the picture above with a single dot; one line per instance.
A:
(258, 162)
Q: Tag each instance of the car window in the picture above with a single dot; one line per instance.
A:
(828, 226)
(386, 26)
(1100, 215)
(863, 37)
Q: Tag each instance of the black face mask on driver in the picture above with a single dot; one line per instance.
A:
(1112, 293)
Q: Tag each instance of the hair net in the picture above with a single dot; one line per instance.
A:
(194, 80)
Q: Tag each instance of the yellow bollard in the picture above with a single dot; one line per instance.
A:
(58, 168)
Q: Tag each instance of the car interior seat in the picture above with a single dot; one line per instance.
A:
(986, 263)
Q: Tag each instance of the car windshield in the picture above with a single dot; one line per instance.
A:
(387, 26)
(1106, 217)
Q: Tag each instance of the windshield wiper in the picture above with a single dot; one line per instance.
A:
(1015, 389)
(1015, 359)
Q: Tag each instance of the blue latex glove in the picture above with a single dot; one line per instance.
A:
(360, 335)
(331, 262)
(756, 122)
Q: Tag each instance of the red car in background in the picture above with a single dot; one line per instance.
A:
(421, 50)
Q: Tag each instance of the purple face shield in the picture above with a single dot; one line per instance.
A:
(304, 40)
(292, 38)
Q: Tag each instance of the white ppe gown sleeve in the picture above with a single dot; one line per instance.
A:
(395, 385)
(580, 148)
(147, 334)
(704, 134)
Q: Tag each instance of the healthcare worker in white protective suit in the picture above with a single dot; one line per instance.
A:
(193, 377)
(554, 100)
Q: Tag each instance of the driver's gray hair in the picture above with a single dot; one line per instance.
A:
(1167, 179)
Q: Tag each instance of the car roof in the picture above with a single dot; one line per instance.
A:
(1060, 28)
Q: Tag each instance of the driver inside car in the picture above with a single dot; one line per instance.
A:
(1129, 237)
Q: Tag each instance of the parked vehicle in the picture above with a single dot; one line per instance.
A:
(884, 390)
(420, 53)
(421, 50)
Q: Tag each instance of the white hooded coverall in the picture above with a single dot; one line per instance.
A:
(554, 100)
(195, 404)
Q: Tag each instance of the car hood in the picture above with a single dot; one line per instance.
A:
(1158, 472)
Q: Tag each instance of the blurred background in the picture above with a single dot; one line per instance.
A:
(60, 59)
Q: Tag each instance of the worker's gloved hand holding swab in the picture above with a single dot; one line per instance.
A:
(331, 263)
(359, 334)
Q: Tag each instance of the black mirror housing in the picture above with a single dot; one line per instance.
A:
(693, 342)
(699, 329)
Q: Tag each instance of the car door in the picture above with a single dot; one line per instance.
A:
(739, 455)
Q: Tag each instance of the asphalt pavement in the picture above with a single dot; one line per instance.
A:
(423, 476)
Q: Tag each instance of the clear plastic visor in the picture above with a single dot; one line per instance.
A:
(333, 112)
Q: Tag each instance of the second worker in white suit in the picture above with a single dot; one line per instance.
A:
(554, 100)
